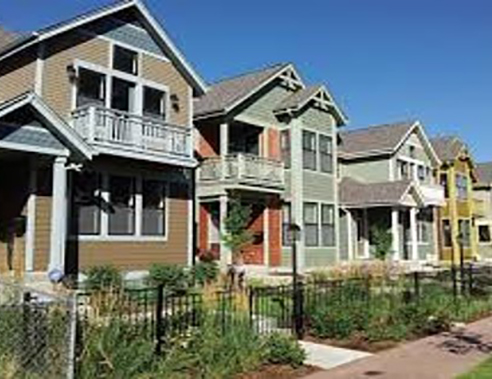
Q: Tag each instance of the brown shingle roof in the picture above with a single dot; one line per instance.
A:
(297, 98)
(373, 140)
(484, 172)
(354, 193)
(447, 147)
(225, 93)
(6, 37)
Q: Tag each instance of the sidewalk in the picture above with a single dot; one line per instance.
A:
(437, 357)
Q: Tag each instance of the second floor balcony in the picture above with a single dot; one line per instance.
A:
(242, 169)
(120, 133)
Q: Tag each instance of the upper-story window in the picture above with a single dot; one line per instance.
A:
(125, 60)
(285, 147)
(309, 150)
(461, 186)
(325, 154)
(421, 173)
(403, 170)
(91, 88)
(443, 180)
(154, 103)
(411, 151)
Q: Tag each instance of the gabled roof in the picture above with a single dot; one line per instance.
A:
(150, 22)
(67, 135)
(226, 94)
(448, 148)
(373, 140)
(7, 38)
(355, 194)
(484, 173)
(302, 97)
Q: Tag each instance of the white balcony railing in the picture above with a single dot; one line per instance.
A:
(433, 194)
(243, 169)
(117, 129)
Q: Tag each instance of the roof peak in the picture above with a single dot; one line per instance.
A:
(272, 66)
(407, 123)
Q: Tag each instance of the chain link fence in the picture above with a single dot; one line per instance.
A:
(37, 333)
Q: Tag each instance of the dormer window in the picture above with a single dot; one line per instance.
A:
(125, 60)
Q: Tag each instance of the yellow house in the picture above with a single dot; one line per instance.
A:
(457, 217)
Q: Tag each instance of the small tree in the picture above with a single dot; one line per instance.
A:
(237, 235)
(382, 240)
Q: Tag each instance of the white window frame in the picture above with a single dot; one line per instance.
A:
(110, 73)
(138, 196)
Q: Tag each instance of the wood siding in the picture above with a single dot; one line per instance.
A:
(43, 221)
(17, 75)
(166, 73)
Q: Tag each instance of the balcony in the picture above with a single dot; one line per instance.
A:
(433, 194)
(243, 170)
(115, 132)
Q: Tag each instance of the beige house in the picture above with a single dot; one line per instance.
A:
(482, 198)
(96, 144)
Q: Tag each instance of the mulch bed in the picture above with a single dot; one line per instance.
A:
(279, 372)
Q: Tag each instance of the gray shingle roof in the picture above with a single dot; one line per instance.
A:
(225, 93)
(354, 193)
(7, 38)
(484, 172)
(447, 147)
(29, 135)
(297, 98)
(373, 140)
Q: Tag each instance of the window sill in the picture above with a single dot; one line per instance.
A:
(119, 238)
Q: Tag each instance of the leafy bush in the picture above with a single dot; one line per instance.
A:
(173, 278)
(283, 349)
(205, 272)
(103, 278)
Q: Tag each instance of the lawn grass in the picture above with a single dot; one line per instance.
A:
(482, 371)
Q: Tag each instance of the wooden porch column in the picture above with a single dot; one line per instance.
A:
(413, 234)
(225, 253)
(58, 215)
(395, 234)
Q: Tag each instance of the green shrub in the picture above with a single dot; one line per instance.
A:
(205, 272)
(103, 277)
(174, 278)
(283, 349)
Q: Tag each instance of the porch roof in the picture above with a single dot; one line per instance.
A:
(355, 194)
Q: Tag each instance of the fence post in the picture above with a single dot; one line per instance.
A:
(299, 310)
(159, 318)
(416, 284)
(454, 279)
(73, 301)
(250, 305)
(470, 279)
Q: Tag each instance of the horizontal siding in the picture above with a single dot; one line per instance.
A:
(318, 120)
(319, 257)
(140, 255)
(42, 224)
(17, 75)
(318, 186)
(57, 90)
(166, 73)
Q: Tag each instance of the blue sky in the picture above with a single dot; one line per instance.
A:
(384, 60)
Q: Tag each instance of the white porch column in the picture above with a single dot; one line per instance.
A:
(31, 217)
(413, 234)
(58, 215)
(350, 236)
(224, 146)
(395, 234)
(366, 234)
(266, 233)
(225, 253)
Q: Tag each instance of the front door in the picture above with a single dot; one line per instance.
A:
(13, 200)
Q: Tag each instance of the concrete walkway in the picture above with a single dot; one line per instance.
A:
(443, 356)
(328, 357)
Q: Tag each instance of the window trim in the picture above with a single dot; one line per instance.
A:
(333, 225)
(304, 223)
(286, 148)
(111, 73)
(315, 151)
(330, 154)
(444, 220)
(428, 226)
(104, 235)
(287, 205)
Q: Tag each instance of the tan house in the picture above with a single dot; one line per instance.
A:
(482, 198)
(96, 144)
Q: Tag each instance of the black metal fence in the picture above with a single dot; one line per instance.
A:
(162, 315)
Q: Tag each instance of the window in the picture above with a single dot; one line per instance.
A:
(411, 151)
(443, 180)
(311, 224)
(90, 88)
(446, 233)
(286, 214)
(325, 154)
(153, 208)
(484, 234)
(125, 60)
(87, 211)
(327, 225)
(403, 170)
(285, 147)
(464, 232)
(122, 205)
(421, 173)
(461, 186)
(123, 95)
(309, 150)
(424, 224)
(154, 103)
